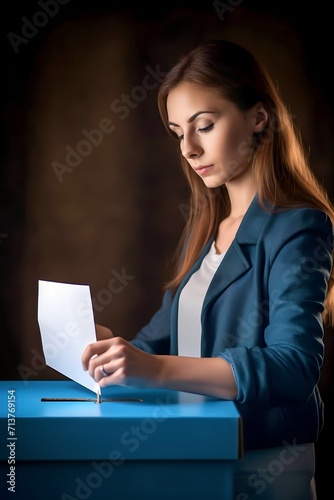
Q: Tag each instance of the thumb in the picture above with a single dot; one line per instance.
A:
(102, 332)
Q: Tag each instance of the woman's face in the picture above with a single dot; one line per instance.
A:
(215, 136)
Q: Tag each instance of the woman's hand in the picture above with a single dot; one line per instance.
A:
(124, 363)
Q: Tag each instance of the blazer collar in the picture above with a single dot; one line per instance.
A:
(235, 263)
(252, 223)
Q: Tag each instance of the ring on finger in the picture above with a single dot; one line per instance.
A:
(104, 373)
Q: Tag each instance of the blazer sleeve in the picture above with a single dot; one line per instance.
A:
(154, 337)
(286, 369)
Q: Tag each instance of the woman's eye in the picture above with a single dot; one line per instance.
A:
(206, 129)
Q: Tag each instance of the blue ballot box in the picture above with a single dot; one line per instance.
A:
(57, 442)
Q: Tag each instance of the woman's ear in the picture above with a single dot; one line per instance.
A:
(261, 117)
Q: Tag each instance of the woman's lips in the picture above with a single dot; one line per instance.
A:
(203, 169)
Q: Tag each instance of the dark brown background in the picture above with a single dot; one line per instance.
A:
(123, 205)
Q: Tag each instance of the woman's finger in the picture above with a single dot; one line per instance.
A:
(94, 349)
(100, 372)
(102, 332)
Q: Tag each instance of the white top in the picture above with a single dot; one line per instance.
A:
(191, 303)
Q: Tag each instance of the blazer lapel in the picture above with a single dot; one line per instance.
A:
(235, 263)
(232, 267)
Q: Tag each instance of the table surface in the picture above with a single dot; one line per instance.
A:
(142, 423)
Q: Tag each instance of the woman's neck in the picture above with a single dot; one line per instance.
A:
(241, 194)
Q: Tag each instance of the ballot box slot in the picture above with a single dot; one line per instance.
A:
(90, 400)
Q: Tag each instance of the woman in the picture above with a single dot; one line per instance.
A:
(243, 314)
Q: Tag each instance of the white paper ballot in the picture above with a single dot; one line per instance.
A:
(66, 322)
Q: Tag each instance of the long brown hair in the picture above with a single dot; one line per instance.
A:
(279, 161)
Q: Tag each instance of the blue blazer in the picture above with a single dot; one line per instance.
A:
(263, 314)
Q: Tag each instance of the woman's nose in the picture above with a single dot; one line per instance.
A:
(190, 148)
